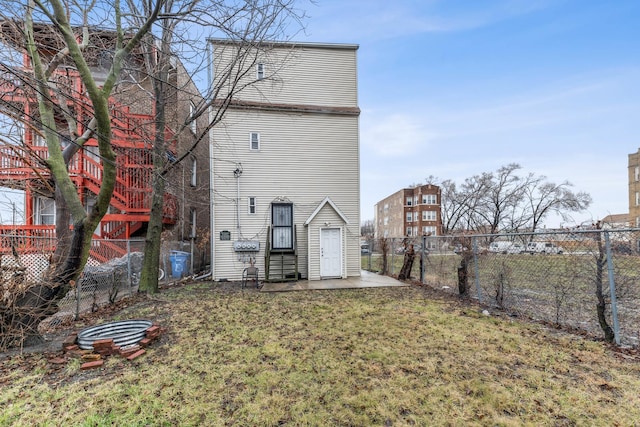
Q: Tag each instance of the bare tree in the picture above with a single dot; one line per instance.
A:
(55, 36)
(367, 228)
(544, 198)
(503, 200)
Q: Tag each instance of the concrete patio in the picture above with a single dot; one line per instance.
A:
(366, 280)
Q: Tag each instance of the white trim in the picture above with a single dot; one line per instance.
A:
(341, 255)
(251, 141)
(319, 208)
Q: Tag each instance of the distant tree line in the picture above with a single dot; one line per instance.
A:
(506, 201)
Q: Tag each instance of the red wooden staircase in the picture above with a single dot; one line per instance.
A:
(23, 167)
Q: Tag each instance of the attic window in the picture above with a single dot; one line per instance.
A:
(260, 71)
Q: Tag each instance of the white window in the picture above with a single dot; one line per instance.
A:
(192, 112)
(429, 230)
(194, 172)
(408, 231)
(252, 205)
(45, 211)
(429, 215)
(409, 201)
(38, 140)
(260, 71)
(429, 199)
(409, 216)
(637, 198)
(637, 173)
(637, 221)
(385, 221)
(415, 200)
(254, 141)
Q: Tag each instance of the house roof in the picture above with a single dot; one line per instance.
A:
(319, 208)
(616, 219)
(318, 45)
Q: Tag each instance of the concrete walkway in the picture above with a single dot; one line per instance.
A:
(366, 280)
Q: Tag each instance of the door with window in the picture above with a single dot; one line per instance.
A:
(330, 253)
(282, 226)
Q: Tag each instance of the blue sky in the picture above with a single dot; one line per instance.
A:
(453, 88)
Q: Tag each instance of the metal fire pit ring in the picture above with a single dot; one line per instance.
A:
(123, 333)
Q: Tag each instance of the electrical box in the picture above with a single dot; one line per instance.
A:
(246, 246)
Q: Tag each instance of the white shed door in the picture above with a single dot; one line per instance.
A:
(330, 253)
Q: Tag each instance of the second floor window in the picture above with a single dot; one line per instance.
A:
(637, 173)
(409, 216)
(429, 215)
(45, 211)
(254, 141)
(252, 205)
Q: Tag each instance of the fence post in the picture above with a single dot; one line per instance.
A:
(78, 290)
(476, 270)
(393, 255)
(612, 289)
(423, 258)
(129, 266)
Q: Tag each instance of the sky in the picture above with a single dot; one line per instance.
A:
(454, 88)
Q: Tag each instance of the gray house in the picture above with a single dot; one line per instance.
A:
(285, 174)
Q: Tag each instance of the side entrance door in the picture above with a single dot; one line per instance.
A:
(330, 253)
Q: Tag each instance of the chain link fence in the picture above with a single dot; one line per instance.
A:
(111, 273)
(588, 280)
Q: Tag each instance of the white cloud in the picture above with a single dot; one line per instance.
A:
(382, 19)
(395, 135)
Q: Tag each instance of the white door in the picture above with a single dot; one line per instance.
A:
(330, 253)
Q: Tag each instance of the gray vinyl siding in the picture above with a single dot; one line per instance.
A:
(303, 170)
(302, 76)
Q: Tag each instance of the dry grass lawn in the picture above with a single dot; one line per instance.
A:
(367, 357)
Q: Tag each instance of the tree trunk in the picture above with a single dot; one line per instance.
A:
(463, 277)
(409, 256)
(152, 244)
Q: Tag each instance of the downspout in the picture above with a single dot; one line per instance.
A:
(238, 173)
(212, 225)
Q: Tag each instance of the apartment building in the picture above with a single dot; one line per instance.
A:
(634, 189)
(410, 212)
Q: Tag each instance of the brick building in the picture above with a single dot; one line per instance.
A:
(634, 189)
(410, 212)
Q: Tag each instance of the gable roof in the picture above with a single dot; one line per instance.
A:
(319, 208)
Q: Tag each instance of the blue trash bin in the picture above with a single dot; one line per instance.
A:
(178, 261)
